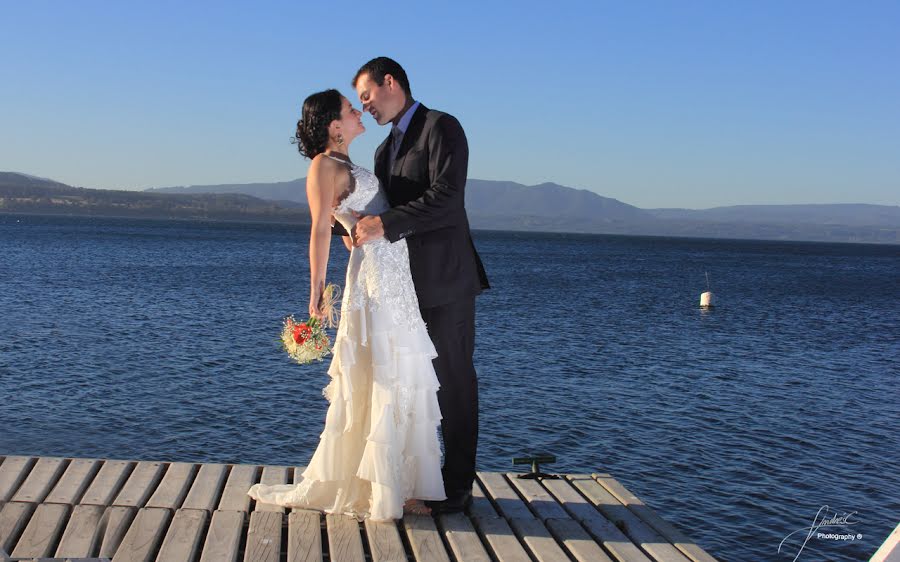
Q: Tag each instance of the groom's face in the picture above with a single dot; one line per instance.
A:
(383, 102)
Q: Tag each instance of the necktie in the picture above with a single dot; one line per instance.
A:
(396, 139)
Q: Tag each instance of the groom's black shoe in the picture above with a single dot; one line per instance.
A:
(454, 504)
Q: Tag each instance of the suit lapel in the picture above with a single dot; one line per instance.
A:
(413, 131)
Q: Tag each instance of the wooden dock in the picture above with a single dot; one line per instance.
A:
(88, 509)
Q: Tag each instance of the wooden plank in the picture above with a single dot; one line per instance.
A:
(272, 475)
(688, 547)
(224, 537)
(234, 497)
(304, 536)
(424, 538)
(639, 532)
(13, 472)
(40, 480)
(544, 514)
(576, 540)
(497, 488)
(613, 540)
(889, 551)
(462, 538)
(42, 531)
(501, 540)
(107, 482)
(74, 481)
(140, 484)
(82, 535)
(264, 537)
(182, 541)
(115, 523)
(144, 535)
(344, 540)
(535, 536)
(205, 490)
(384, 541)
(481, 505)
(174, 486)
(13, 518)
(539, 500)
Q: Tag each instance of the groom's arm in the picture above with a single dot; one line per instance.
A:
(442, 202)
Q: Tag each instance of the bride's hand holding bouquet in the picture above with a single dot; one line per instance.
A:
(307, 341)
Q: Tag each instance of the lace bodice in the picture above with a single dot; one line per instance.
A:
(365, 196)
(378, 272)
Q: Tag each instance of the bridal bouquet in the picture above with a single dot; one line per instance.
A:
(306, 342)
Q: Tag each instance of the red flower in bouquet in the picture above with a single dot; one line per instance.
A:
(301, 333)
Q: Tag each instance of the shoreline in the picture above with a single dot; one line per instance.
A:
(155, 218)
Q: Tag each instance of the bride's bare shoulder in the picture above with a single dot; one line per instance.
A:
(327, 171)
(326, 167)
(322, 164)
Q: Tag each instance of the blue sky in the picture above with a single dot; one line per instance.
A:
(658, 104)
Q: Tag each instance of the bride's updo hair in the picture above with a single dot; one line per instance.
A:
(319, 110)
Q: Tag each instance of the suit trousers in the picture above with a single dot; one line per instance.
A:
(452, 330)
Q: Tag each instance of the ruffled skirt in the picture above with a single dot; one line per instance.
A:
(379, 447)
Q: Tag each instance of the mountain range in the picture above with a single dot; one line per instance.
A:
(505, 205)
(22, 193)
(491, 205)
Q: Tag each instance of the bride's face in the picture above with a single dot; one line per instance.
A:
(350, 123)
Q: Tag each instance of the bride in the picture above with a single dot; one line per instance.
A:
(379, 452)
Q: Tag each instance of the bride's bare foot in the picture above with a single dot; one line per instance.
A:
(416, 507)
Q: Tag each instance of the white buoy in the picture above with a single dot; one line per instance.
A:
(706, 299)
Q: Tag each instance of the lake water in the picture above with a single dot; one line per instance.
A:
(141, 339)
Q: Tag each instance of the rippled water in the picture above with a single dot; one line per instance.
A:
(157, 340)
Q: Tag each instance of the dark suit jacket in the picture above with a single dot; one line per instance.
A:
(426, 190)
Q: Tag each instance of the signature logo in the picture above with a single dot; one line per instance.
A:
(825, 517)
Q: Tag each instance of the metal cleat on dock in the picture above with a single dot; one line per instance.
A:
(534, 461)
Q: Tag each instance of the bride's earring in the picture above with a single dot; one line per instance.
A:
(340, 139)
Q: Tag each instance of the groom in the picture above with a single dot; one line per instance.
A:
(422, 166)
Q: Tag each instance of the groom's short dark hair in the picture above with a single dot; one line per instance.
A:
(378, 67)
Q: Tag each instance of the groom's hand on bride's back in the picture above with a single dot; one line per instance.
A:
(366, 229)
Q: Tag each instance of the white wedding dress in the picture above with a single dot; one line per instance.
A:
(379, 447)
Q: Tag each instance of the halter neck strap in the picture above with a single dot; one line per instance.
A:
(341, 160)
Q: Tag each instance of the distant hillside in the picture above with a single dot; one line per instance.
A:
(483, 198)
(14, 180)
(492, 205)
(548, 200)
(504, 205)
(294, 190)
(20, 193)
(840, 214)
